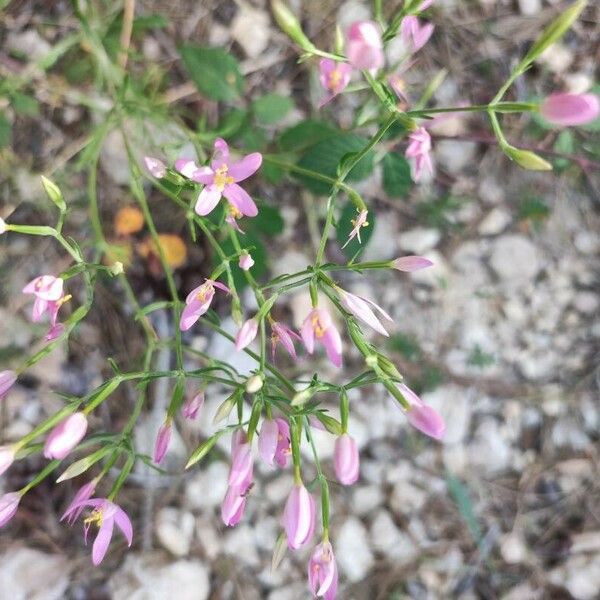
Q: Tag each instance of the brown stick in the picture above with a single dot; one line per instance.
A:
(125, 39)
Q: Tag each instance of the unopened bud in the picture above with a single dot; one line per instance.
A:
(117, 268)
(290, 25)
(254, 384)
(527, 159)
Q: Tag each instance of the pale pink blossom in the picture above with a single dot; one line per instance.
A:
(419, 152)
(76, 506)
(422, 416)
(274, 442)
(361, 308)
(155, 166)
(364, 47)
(239, 481)
(282, 333)
(7, 380)
(65, 436)
(299, 516)
(570, 109)
(246, 261)
(193, 406)
(322, 572)
(7, 457)
(334, 77)
(409, 264)
(46, 289)
(221, 179)
(319, 325)
(232, 508)
(106, 515)
(358, 224)
(242, 466)
(8, 507)
(346, 460)
(163, 437)
(246, 334)
(414, 35)
(198, 302)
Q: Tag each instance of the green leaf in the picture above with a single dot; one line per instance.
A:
(215, 72)
(271, 108)
(345, 226)
(460, 495)
(203, 449)
(396, 175)
(5, 131)
(325, 156)
(268, 221)
(25, 105)
(304, 134)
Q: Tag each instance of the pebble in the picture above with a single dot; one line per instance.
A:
(251, 30)
(496, 221)
(455, 156)
(454, 404)
(174, 530)
(419, 239)
(387, 539)
(513, 548)
(515, 259)
(353, 552)
(530, 7)
(206, 489)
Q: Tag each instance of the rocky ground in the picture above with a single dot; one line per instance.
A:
(502, 336)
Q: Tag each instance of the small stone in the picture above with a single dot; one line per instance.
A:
(390, 541)
(29, 574)
(583, 577)
(240, 543)
(251, 30)
(419, 240)
(515, 259)
(530, 7)
(495, 222)
(144, 578)
(490, 451)
(586, 242)
(206, 489)
(587, 303)
(454, 404)
(366, 499)
(354, 556)
(174, 530)
(513, 549)
(455, 156)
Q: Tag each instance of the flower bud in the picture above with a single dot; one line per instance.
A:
(162, 442)
(192, 407)
(232, 508)
(409, 264)
(421, 416)
(363, 45)
(7, 457)
(322, 572)
(527, 159)
(117, 268)
(246, 261)
(8, 507)
(65, 436)
(299, 516)
(289, 24)
(156, 167)
(246, 334)
(7, 380)
(570, 109)
(254, 384)
(346, 460)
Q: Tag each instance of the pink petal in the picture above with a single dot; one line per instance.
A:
(191, 313)
(186, 166)
(207, 200)
(411, 263)
(570, 109)
(332, 343)
(124, 524)
(102, 540)
(156, 167)
(308, 334)
(240, 199)
(267, 440)
(203, 175)
(246, 167)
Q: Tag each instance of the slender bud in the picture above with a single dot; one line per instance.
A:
(225, 408)
(65, 436)
(246, 334)
(192, 407)
(527, 159)
(162, 442)
(289, 25)
(7, 380)
(299, 516)
(570, 109)
(346, 460)
(7, 457)
(8, 507)
(411, 263)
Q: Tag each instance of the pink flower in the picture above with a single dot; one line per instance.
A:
(242, 466)
(418, 152)
(192, 407)
(299, 516)
(282, 333)
(358, 223)
(76, 505)
(8, 507)
(105, 514)
(322, 572)
(232, 509)
(198, 302)
(411, 263)
(220, 179)
(318, 324)
(421, 416)
(334, 77)
(413, 34)
(54, 332)
(361, 309)
(7, 457)
(46, 289)
(570, 109)
(363, 45)
(246, 334)
(274, 443)
(246, 261)
(65, 436)
(346, 460)
(7, 380)
(156, 167)
(163, 437)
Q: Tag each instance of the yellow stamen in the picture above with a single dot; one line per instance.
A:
(335, 78)
(64, 299)
(95, 517)
(221, 178)
(318, 328)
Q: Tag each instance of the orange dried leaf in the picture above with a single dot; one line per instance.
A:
(172, 245)
(128, 220)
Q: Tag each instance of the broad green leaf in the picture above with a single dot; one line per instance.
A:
(271, 108)
(24, 104)
(304, 134)
(396, 175)
(215, 72)
(324, 157)
(345, 226)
